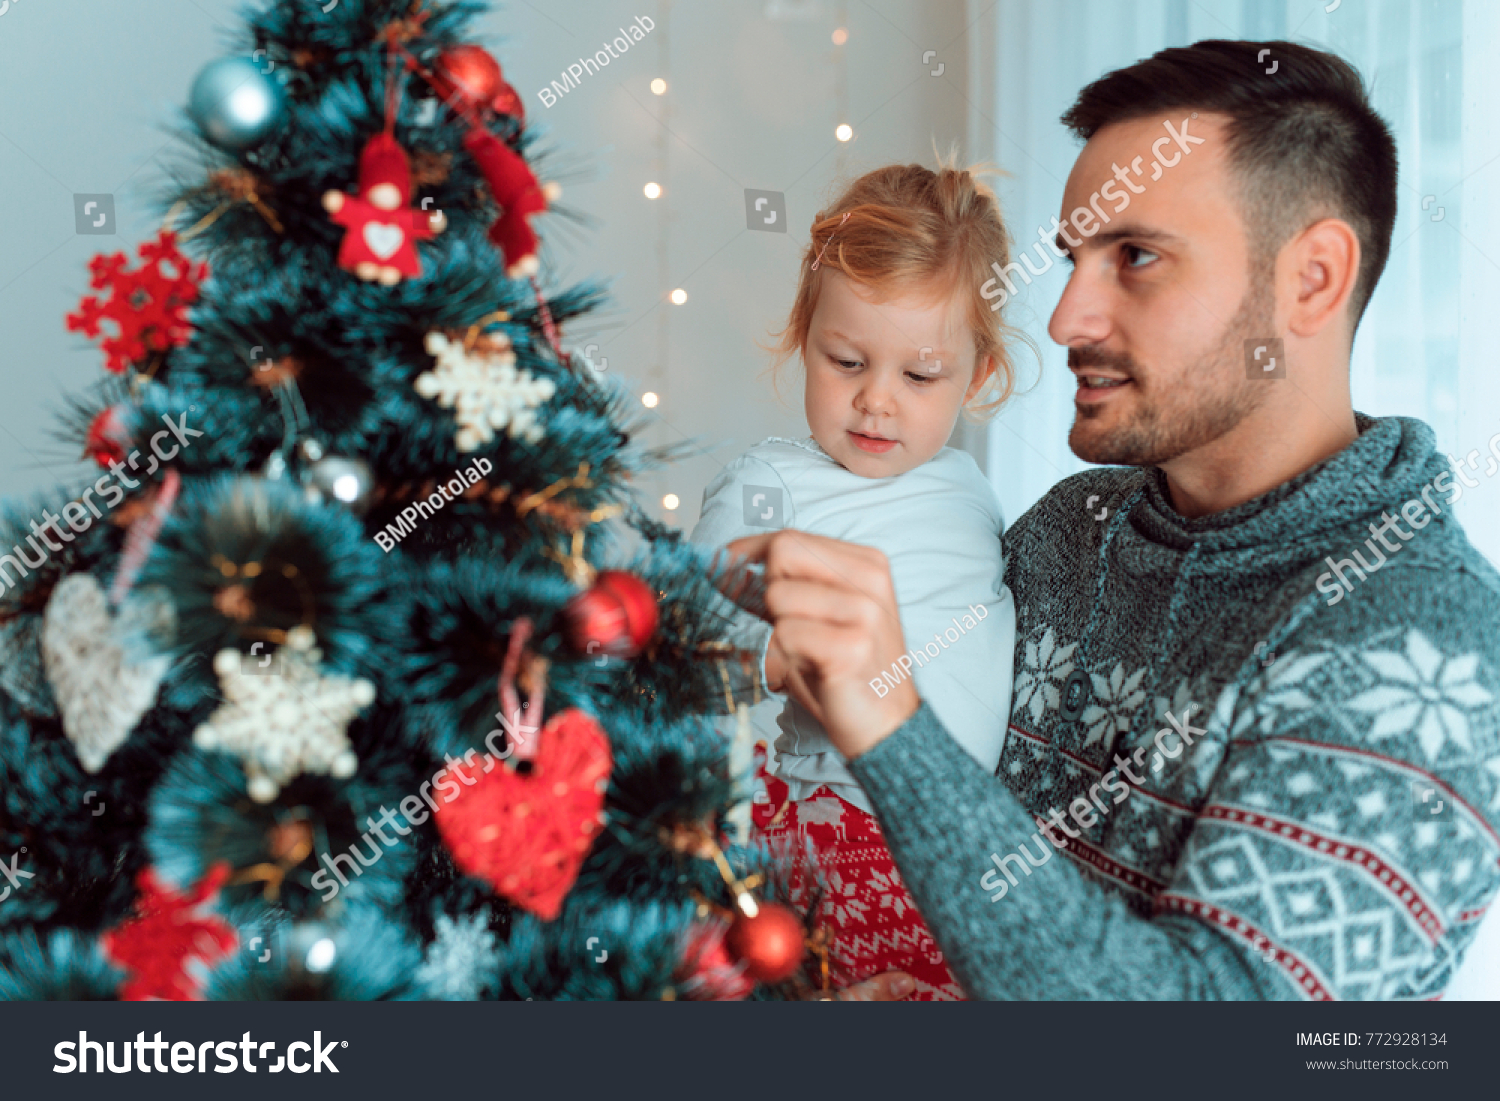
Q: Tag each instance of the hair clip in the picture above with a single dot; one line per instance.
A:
(824, 249)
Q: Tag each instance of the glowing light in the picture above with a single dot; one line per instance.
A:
(840, 36)
(670, 502)
(652, 190)
(346, 487)
(650, 400)
(844, 131)
(679, 296)
(321, 955)
(659, 86)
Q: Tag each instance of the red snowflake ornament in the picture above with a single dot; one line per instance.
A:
(148, 305)
(167, 932)
(527, 834)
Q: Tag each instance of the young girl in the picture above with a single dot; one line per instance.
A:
(896, 339)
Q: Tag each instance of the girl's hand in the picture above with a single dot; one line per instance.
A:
(892, 986)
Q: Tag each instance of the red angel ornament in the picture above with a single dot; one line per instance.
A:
(381, 231)
(519, 195)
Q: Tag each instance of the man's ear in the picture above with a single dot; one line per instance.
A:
(1323, 263)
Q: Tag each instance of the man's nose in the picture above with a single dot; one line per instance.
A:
(1082, 315)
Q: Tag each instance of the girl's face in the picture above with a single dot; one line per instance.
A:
(886, 381)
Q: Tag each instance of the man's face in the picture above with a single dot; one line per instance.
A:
(1161, 298)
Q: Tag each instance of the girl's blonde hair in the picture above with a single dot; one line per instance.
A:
(912, 230)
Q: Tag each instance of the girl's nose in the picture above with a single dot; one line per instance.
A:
(874, 397)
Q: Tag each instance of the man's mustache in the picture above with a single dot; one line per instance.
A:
(1092, 355)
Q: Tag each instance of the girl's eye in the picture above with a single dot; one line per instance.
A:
(1136, 257)
(847, 363)
(920, 378)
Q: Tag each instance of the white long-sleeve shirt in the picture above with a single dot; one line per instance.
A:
(939, 526)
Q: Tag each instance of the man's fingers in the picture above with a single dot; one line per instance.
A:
(742, 585)
(795, 685)
(812, 644)
(889, 987)
(751, 547)
(815, 601)
(797, 554)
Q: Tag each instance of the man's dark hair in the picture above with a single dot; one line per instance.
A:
(1303, 140)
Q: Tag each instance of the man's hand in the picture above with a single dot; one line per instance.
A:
(836, 628)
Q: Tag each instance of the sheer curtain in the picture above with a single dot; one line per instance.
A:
(1421, 350)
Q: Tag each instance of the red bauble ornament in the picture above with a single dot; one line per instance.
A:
(707, 972)
(107, 439)
(507, 102)
(167, 932)
(527, 835)
(467, 76)
(615, 617)
(770, 944)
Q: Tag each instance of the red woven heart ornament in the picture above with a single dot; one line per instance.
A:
(527, 835)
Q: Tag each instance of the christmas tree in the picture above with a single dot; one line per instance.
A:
(358, 673)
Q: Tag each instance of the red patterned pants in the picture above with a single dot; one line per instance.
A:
(874, 923)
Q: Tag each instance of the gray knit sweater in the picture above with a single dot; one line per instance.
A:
(1263, 783)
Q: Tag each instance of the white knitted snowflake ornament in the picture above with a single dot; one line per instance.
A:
(462, 961)
(100, 693)
(283, 715)
(485, 390)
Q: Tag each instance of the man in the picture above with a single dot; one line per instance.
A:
(1258, 673)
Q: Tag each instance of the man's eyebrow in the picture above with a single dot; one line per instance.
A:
(1109, 237)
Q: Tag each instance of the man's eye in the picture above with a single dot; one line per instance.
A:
(1136, 257)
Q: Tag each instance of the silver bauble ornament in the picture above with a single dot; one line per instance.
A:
(335, 478)
(235, 105)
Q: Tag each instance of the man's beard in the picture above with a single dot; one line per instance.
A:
(1202, 404)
